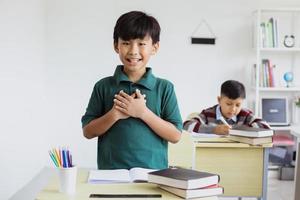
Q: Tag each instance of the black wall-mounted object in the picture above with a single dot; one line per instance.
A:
(198, 40)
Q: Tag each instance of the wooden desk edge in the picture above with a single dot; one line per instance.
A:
(230, 144)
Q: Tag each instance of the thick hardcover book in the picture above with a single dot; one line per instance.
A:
(214, 190)
(183, 178)
(251, 140)
(247, 131)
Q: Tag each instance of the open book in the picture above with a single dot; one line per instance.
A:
(209, 137)
(135, 174)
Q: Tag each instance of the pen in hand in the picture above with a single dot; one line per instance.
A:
(224, 122)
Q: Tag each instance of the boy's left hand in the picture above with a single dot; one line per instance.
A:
(134, 105)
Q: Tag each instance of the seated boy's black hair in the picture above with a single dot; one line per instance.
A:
(233, 89)
(136, 25)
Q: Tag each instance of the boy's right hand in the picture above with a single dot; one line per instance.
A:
(116, 112)
(221, 129)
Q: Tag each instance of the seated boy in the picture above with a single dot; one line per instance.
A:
(221, 117)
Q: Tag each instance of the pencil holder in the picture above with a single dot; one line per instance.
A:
(67, 180)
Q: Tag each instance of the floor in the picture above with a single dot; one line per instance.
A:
(277, 190)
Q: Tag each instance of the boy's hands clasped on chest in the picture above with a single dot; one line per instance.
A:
(221, 129)
(130, 105)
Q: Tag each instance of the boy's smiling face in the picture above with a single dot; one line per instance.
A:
(135, 53)
(230, 107)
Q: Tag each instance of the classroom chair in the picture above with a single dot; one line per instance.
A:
(182, 153)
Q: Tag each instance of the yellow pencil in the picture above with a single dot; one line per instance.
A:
(58, 156)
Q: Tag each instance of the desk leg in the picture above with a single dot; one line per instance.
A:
(297, 172)
(265, 174)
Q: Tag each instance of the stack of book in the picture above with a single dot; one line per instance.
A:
(250, 135)
(269, 33)
(266, 78)
(187, 183)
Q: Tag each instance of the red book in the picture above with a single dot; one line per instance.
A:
(213, 190)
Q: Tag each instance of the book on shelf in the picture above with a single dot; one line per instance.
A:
(269, 33)
(267, 74)
(251, 140)
(183, 178)
(135, 174)
(275, 32)
(263, 34)
(213, 190)
(247, 131)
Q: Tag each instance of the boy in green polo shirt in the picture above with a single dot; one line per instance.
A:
(133, 113)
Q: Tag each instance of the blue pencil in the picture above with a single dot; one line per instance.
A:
(64, 158)
(71, 163)
(68, 158)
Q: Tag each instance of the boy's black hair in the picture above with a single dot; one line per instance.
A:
(136, 25)
(233, 89)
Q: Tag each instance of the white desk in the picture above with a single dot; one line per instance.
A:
(296, 132)
(33, 187)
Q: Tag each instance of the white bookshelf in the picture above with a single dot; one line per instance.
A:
(279, 89)
(282, 128)
(282, 49)
(286, 59)
(275, 53)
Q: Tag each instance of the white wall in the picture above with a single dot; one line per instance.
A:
(22, 93)
(52, 52)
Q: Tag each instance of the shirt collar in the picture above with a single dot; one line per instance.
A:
(219, 114)
(148, 80)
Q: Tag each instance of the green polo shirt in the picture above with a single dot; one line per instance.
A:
(131, 142)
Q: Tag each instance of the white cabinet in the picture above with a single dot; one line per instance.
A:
(276, 43)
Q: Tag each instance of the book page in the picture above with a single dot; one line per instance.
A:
(209, 137)
(109, 176)
(205, 135)
(139, 174)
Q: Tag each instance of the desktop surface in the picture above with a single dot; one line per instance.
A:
(84, 189)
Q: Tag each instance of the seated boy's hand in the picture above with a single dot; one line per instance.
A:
(221, 129)
(133, 105)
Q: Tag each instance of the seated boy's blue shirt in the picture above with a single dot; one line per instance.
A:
(219, 115)
(130, 142)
